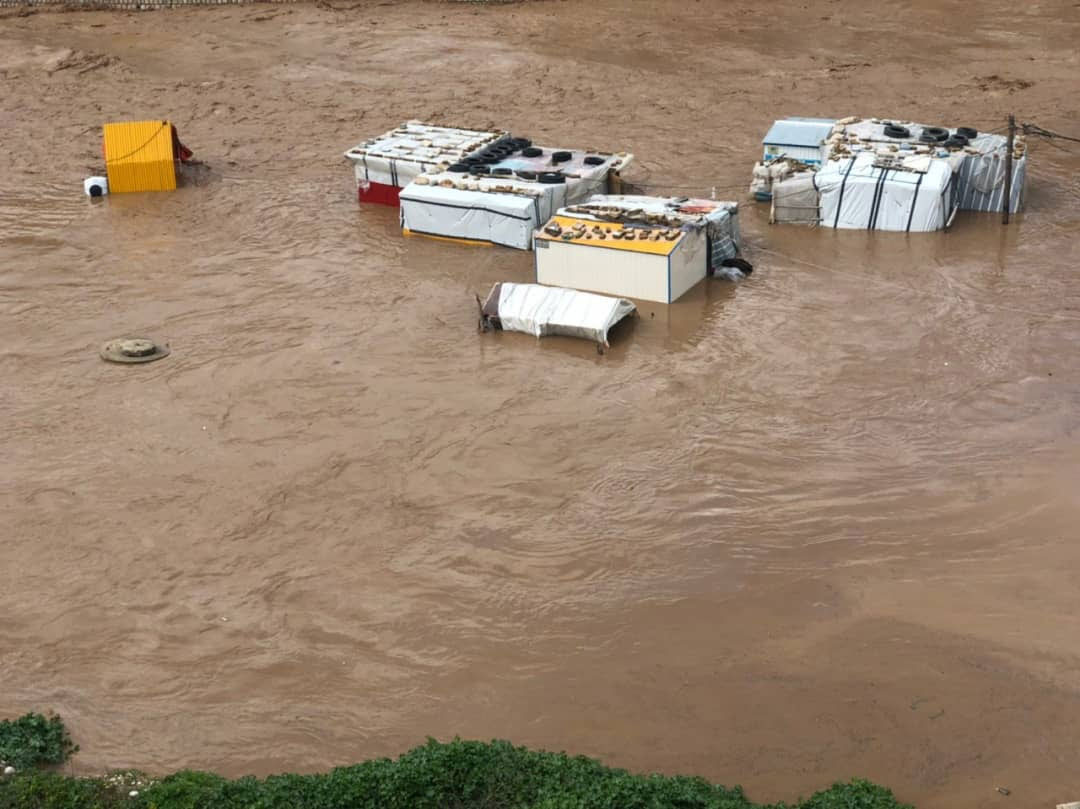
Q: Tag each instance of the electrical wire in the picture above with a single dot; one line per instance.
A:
(1035, 129)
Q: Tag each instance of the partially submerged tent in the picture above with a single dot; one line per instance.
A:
(502, 196)
(649, 248)
(882, 175)
(542, 311)
(386, 164)
(863, 192)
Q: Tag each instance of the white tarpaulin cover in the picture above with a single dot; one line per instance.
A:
(795, 200)
(879, 175)
(541, 311)
(981, 180)
(482, 215)
(503, 209)
(857, 194)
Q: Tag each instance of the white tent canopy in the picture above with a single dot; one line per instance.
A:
(541, 311)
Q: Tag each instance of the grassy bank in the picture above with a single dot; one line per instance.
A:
(452, 775)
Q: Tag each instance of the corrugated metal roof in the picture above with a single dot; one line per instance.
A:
(799, 131)
(139, 156)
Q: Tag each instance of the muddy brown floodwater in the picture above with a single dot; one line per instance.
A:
(820, 524)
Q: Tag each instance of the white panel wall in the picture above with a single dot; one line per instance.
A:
(688, 264)
(605, 270)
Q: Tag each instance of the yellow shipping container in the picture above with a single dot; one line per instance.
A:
(139, 156)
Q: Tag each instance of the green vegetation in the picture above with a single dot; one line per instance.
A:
(453, 775)
(34, 740)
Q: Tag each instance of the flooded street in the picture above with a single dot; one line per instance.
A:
(816, 525)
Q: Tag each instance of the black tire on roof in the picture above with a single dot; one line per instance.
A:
(934, 134)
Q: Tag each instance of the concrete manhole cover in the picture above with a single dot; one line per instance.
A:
(134, 349)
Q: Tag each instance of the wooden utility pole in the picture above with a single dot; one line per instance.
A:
(1008, 172)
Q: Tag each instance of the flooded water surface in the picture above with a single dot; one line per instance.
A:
(816, 525)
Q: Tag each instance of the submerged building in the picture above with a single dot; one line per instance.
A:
(874, 174)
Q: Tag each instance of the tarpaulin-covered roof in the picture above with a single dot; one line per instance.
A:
(541, 310)
(504, 201)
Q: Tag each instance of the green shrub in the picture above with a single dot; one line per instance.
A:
(858, 794)
(49, 790)
(453, 775)
(34, 740)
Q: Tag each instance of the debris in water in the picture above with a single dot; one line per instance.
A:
(134, 349)
(149, 164)
(96, 186)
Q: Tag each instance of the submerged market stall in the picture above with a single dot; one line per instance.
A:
(649, 248)
(502, 194)
(386, 164)
(883, 175)
(542, 311)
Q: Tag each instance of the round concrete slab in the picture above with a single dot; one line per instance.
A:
(134, 349)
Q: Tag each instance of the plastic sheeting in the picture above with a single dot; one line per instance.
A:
(484, 214)
(857, 194)
(542, 311)
(795, 200)
(880, 182)
(981, 182)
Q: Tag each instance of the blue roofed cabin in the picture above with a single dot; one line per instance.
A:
(798, 138)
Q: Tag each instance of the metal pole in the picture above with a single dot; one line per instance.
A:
(1008, 172)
